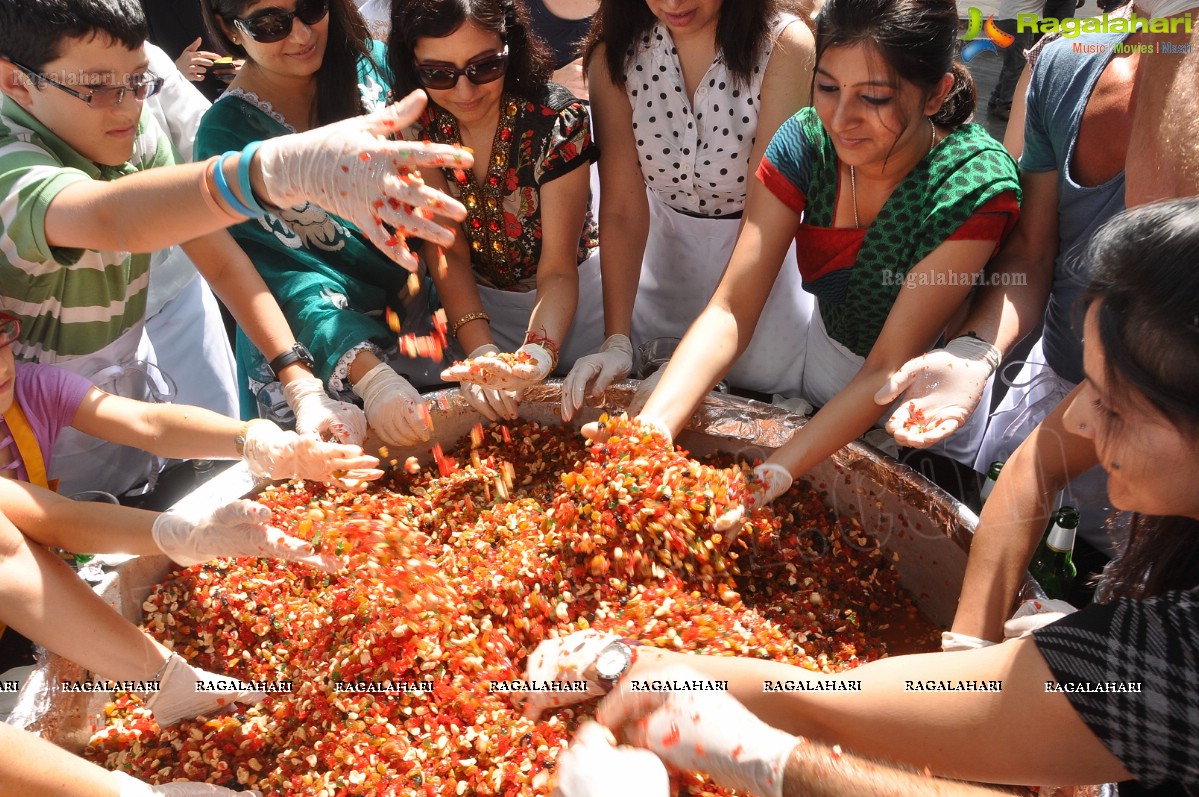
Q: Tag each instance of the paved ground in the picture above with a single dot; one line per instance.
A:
(985, 69)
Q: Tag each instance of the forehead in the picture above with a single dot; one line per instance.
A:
(267, 5)
(468, 41)
(99, 55)
(856, 63)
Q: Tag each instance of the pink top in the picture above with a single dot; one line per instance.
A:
(49, 397)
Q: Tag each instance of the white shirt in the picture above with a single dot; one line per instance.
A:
(694, 153)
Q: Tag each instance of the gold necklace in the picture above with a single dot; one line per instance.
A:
(853, 178)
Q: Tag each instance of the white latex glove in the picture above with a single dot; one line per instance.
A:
(352, 170)
(771, 481)
(316, 412)
(272, 453)
(593, 766)
(491, 404)
(235, 529)
(701, 732)
(952, 642)
(945, 385)
(394, 409)
(568, 658)
(1034, 614)
(491, 372)
(644, 391)
(592, 374)
(177, 697)
(132, 787)
(597, 432)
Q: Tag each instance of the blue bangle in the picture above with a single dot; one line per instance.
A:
(243, 178)
(222, 187)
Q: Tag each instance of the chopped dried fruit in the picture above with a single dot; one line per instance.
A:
(454, 575)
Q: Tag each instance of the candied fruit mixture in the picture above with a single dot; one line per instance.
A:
(453, 576)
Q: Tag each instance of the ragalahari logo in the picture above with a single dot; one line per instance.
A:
(995, 41)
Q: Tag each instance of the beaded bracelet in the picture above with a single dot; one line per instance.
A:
(243, 178)
(478, 315)
(222, 186)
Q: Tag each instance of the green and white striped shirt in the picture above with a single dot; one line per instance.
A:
(71, 302)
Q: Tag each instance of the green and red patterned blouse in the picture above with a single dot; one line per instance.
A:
(966, 189)
(537, 141)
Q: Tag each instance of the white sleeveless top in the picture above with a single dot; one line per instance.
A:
(695, 157)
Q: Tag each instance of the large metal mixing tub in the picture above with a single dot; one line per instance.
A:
(906, 513)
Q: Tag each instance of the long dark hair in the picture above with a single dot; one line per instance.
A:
(740, 33)
(1147, 289)
(530, 60)
(918, 40)
(337, 95)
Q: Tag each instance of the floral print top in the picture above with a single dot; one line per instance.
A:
(536, 141)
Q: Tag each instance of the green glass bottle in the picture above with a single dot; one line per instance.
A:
(989, 484)
(1052, 565)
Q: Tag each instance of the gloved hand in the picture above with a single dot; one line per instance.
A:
(394, 408)
(491, 404)
(598, 432)
(592, 374)
(952, 642)
(644, 391)
(1034, 614)
(492, 372)
(272, 453)
(701, 732)
(316, 412)
(132, 787)
(593, 766)
(352, 170)
(770, 482)
(178, 698)
(568, 658)
(940, 391)
(235, 529)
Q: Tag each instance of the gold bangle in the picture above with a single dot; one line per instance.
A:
(239, 442)
(478, 315)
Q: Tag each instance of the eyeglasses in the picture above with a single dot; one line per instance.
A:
(485, 70)
(269, 27)
(10, 329)
(147, 85)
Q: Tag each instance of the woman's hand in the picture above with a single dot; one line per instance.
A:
(492, 404)
(394, 408)
(770, 481)
(940, 391)
(592, 374)
(235, 529)
(353, 169)
(194, 62)
(516, 371)
(273, 453)
(317, 413)
(132, 787)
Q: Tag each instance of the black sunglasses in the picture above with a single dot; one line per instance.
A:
(146, 86)
(485, 70)
(273, 26)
